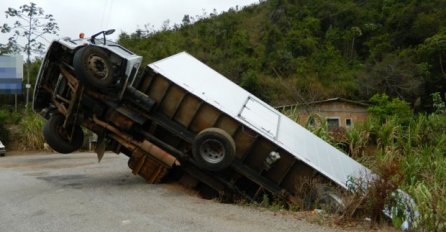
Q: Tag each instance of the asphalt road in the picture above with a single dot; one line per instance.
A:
(53, 192)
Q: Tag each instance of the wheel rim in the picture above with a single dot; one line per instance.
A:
(98, 67)
(212, 151)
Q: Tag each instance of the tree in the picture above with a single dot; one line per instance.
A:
(395, 76)
(32, 24)
(435, 48)
(186, 20)
(383, 108)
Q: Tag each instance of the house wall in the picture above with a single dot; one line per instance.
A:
(334, 109)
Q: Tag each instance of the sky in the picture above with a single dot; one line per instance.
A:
(91, 16)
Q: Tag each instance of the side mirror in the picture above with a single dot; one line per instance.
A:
(109, 32)
(104, 33)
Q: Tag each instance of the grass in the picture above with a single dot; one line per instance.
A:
(420, 149)
(31, 132)
(408, 153)
(415, 151)
(21, 130)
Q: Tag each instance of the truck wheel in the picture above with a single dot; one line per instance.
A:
(93, 67)
(330, 199)
(213, 149)
(57, 137)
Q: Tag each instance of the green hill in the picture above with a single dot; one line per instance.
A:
(288, 51)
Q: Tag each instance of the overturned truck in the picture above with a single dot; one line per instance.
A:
(178, 113)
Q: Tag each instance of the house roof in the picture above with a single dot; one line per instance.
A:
(336, 99)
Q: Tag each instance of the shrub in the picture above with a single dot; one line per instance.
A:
(372, 194)
(4, 135)
(31, 132)
(431, 206)
(382, 108)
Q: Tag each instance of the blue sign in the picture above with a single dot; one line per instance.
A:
(11, 74)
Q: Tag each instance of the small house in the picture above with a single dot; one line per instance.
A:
(338, 112)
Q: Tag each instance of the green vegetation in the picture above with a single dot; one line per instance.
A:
(288, 51)
(21, 130)
(408, 152)
(31, 136)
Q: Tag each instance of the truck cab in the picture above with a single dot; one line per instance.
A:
(76, 79)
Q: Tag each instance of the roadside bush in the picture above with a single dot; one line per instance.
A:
(31, 136)
(21, 130)
(408, 152)
(383, 107)
(4, 133)
(372, 194)
(431, 206)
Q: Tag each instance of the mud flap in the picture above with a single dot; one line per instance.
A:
(100, 148)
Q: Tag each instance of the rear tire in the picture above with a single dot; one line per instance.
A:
(93, 67)
(57, 137)
(330, 199)
(213, 149)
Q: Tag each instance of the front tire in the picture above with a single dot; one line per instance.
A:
(213, 149)
(93, 67)
(58, 137)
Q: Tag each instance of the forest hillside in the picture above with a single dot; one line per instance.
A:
(288, 51)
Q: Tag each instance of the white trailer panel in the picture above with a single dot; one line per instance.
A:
(212, 87)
